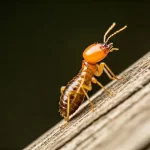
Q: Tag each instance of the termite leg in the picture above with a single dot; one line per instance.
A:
(68, 111)
(62, 89)
(94, 80)
(88, 88)
(103, 67)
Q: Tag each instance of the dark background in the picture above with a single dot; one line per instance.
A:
(41, 47)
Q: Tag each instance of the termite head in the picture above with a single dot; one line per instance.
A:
(97, 52)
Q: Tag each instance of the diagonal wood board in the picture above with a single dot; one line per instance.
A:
(121, 122)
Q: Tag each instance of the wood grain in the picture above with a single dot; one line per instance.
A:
(121, 122)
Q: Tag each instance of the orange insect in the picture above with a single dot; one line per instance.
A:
(76, 90)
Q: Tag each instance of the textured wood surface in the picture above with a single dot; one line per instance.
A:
(121, 122)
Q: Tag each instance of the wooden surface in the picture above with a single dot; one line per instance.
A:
(121, 122)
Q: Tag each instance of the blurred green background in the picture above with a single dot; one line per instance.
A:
(41, 47)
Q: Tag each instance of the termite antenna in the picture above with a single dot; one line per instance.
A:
(115, 33)
(114, 49)
(110, 28)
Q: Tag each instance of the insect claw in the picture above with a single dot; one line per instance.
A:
(112, 94)
(120, 78)
(65, 124)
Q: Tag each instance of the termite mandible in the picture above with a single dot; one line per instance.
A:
(73, 94)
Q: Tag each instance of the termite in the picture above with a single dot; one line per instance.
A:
(73, 94)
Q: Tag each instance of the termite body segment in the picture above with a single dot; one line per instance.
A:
(73, 94)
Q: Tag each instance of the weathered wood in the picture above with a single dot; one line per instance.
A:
(121, 122)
